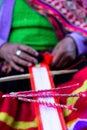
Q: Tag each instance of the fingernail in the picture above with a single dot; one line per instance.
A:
(22, 70)
(29, 64)
(36, 53)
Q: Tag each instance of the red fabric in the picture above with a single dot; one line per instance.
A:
(12, 107)
(22, 111)
(81, 104)
(19, 110)
(47, 58)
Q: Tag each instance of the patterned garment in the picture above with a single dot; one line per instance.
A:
(16, 115)
(20, 115)
(66, 15)
(76, 120)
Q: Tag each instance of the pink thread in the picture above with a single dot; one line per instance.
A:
(82, 94)
(44, 91)
(72, 108)
(45, 94)
(49, 104)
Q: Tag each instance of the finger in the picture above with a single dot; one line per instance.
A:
(16, 67)
(27, 57)
(64, 61)
(61, 63)
(28, 50)
(55, 50)
(21, 62)
(57, 56)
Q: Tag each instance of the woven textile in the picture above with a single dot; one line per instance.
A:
(15, 114)
(71, 14)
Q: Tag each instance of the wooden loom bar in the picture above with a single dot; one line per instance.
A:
(27, 76)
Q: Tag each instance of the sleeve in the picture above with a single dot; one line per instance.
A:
(81, 43)
(6, 11)
(2, 42)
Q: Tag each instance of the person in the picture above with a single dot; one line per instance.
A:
(58, 27)
(21, 31)
(25, 33)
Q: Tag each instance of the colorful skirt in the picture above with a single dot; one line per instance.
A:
(20, 115)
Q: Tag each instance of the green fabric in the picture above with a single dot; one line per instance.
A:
(30, 28)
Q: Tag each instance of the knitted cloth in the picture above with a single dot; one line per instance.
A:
(29, 27)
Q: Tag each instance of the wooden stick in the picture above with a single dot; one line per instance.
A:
(27, 76)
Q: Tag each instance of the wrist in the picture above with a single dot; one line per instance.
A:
(80, 42)
(2, 48)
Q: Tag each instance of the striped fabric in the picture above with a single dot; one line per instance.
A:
(70, 15)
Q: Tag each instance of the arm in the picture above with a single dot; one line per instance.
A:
(7, 50)
(81, 43)
(27, 56)
(2, 42)
(68, 49)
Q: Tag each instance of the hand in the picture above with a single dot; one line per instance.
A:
(26, 58)
(64, 53)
